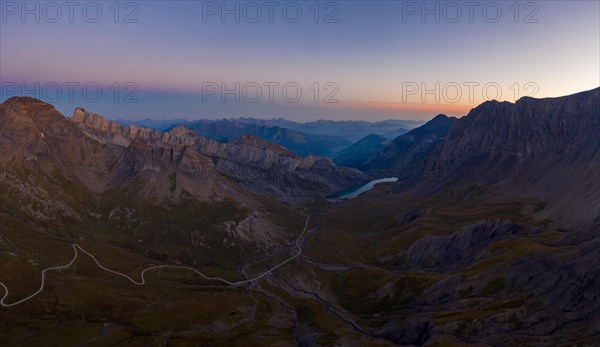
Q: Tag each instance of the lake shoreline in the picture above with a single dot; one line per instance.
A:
(355, 191)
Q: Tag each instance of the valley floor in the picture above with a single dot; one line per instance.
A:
(377, 270)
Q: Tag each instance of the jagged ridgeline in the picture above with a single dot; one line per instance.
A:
(489, 236)
(172, 195)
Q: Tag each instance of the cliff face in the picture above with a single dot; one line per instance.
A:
(544, 148)
(531, 130)
(36, 137)
(107, 154)
(273, 170)
(548, 148)
(98, 154)
(256, 164)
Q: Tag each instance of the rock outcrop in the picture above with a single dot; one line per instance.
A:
(450, 253)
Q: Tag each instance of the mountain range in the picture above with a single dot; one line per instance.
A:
(227, 131)
(324, 138)
(352, 130)
(58, 170)
(489, 236)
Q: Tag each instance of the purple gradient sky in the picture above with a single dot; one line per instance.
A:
(170, 52)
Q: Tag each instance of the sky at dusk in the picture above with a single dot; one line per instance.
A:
(301, 60)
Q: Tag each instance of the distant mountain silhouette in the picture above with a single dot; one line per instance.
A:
(354, 130)
(230, 130)
(154, 124)
(349, 130)
(406, 153)
(361, 152)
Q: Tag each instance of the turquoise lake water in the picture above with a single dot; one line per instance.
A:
(353, 192)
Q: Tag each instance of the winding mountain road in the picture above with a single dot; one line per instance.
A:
(77, 248)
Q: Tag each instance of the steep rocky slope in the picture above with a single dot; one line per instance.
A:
(66, 177)
(547, 148)
(541, 148)
(404, 156)
(361, 152)
(154, 192)
(258, 165)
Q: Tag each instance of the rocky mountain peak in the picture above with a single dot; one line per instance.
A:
(92, 120)
(28, 114)
(25, 101)
(255, 141)
(441, 121)
(182, 130)
(79, 114)
(29, 108)
(440, 117)
(107, 131)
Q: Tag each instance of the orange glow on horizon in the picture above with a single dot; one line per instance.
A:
(433, 109)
